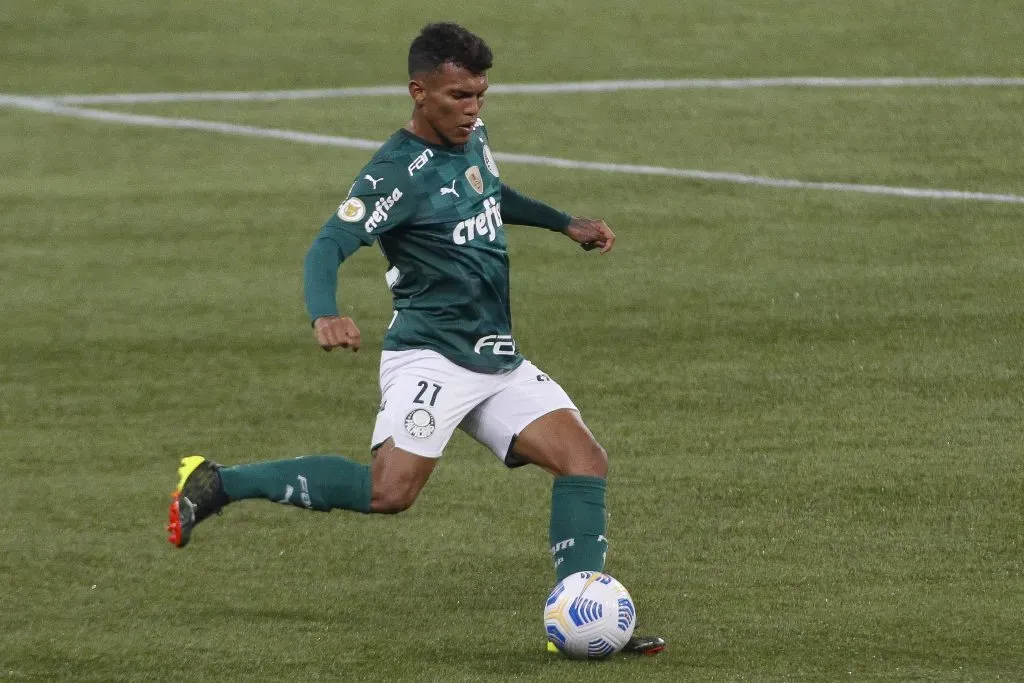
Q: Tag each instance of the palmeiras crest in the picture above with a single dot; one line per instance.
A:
(489, 161)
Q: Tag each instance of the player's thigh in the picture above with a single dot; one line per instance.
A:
(424, 397)
(533, 420)
(397, 477)
(562, 444)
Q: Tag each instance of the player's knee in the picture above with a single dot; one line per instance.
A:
(396, 478)
(589, 459)
(393, 499)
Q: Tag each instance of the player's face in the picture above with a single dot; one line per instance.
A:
(448, 100)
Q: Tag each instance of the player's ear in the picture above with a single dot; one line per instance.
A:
(417, 91)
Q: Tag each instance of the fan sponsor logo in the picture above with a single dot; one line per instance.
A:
(500, 345)
(420, 161)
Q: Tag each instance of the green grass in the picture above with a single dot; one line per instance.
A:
(923, 137)
(811, 400)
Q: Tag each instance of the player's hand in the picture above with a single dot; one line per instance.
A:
(332, 331)
(591, 233)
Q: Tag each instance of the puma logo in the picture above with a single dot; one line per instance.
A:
(288, 491)
(373, 181)
(450, 190)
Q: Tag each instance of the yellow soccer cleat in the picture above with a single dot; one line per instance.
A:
(200, 493)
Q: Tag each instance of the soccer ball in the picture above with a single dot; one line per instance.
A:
(589, 615)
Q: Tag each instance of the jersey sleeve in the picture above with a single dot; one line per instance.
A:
(320, 268)
(518, 209)
(381, 199)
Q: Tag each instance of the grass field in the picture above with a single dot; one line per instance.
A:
(812, 400)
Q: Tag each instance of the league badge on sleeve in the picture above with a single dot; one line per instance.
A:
(352, 210)
(476, 181)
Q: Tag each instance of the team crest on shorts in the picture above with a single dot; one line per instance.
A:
(476, 181)
(489, 161)
(419, 423)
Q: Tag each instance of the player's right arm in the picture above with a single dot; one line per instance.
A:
(379, 201)
(589, 233)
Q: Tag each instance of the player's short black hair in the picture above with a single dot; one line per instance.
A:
(447, 42)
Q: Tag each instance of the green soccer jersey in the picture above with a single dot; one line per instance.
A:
(436, 214)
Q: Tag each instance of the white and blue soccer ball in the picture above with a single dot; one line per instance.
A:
(589, 615)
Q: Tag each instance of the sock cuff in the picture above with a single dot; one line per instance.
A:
(580, 482)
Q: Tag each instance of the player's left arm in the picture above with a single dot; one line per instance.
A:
(589, 233)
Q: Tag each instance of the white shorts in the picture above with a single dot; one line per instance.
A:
(424, 397)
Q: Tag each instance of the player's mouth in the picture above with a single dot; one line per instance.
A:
(467, 128)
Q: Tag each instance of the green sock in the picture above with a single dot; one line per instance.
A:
(577, 528)
(314, 482)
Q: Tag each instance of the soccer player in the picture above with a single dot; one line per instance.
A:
(432, 200)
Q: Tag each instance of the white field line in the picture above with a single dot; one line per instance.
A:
(49, 107)
(744, 179)
(551, 88)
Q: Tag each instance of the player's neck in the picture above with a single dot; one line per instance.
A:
(427, 133)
